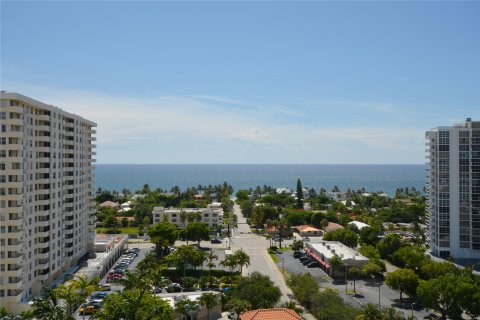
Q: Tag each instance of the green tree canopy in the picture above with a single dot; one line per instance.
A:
(345, 236)
(209, 300)
(135, 304)
(402, 280)
(186, 255)
(195, 231)
(163, 234)
(388, 245)
(266, 293)
(299, 194)
(304, 286)
(242, 195)
(297, 245)
(433, 269)
(412, 257)
(369, 235)
(446, 294)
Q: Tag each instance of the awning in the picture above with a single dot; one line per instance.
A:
(316, 257)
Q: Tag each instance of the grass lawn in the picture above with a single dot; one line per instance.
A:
(274, 257)
(129, 230)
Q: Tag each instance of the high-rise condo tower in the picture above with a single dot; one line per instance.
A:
(453, 185)
(46, 195)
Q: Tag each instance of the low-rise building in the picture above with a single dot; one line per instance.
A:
(269, 314)
(111, 204)
(181, 217)
(199, 311)
(323, 251)
(332, 226)
(308, 231)
(359, 225)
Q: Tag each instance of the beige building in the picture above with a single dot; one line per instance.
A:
(46, 201)
(181, 217)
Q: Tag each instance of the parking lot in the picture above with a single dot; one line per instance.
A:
(143, 250)
(367, 291)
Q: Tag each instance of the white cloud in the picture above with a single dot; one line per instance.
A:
(169, 129)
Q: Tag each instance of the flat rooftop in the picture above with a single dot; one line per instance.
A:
(329, 248)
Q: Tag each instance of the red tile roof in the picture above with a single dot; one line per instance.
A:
(271, 314)
(307, 228)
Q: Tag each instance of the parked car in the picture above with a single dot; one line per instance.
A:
(98, 295)
(216, 240)
(303, 258)
(104, 287)
(298, 254)
(156, 290)
(307, 262)
(313, 264)
(89, 309)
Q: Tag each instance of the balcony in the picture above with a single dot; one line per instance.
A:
(43, 138)
(15, 246)
(43, 274)
(15, 283)
(13, 134)
(44, 128)
(43, 234)
(45, 117)
(42, 245)
(45, 255)
(15, 272)
(14, 259)
(42, 264)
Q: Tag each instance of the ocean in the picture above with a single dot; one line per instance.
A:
(386, 178)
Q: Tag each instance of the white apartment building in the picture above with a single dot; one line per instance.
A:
(453, 185)
(181, 217)
(46, 200)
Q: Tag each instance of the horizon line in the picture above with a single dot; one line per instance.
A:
(267, 164)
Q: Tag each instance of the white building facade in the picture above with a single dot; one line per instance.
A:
(181, 217)
(453, 185)
(46, 195)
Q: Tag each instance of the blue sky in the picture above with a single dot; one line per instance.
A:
(249, 82)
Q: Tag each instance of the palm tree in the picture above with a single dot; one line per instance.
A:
(324, 224)
(70, 297)
(136, 280)
(354, 273)
(241, 259)
(391, 314)
(50, 308)
(198, 216)
(209, 300)
(238, 306)
(335, 263)
(282, 226)
(370, 312)
(85, 286)
(184, 306)
(289, 305)
(210, 264)
(183, 217)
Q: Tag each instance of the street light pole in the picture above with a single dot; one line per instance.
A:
(346, 282)
(379, 285)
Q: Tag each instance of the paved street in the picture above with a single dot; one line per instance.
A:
(256, 246)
